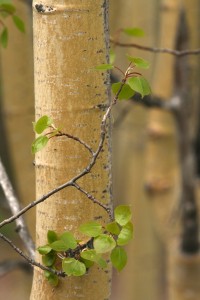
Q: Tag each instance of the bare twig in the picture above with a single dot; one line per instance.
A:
(93, 199)
(179, 53)
(14, 205)
(30, 260)
(81, 174)
(76, 139)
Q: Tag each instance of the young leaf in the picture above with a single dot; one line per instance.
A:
(137, 32)
(140, 85)
(39, 143)
(69, 240)
(49, 259)
(18, 23)
(4, 37)
(52, 278)
(118, 258)
(122, 214)
(125, 93)
(73, 267)
(44, 249)
(91, 255)
(101, 262)
(91, 229)
(139, 62)
(104, 67)
(8, 7)
(51, 236)
(59, 246)
(87, 263)
(112, 56)
(104, 243)
(43, 123)
(125, 235)
(113, 228)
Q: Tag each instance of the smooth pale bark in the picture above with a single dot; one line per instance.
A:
(18, 105)
(162, 158)
(145, 262)
(184, 271)
(68, 43)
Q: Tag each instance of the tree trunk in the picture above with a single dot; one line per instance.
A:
(69, 40)
(145, 252)
(18, 105)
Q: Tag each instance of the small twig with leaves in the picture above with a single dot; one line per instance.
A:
(138, 32)
(9, 10)
(75, 255)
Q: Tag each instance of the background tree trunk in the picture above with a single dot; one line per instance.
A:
(18, 106)
(145, 254)
(68, 43)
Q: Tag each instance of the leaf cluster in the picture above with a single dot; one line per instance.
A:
(8, 9)
(39, 127)
(132, 82)
(64, 252)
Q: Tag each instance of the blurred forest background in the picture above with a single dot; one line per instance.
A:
(148, 160)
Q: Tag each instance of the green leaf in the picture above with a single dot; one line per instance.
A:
(87, 263)
(92, 255)
(125, 93)
(118, 258)
(69, 240)
(137, 32)
(44, 249)
(73, 267)
(112, 56)
(113, 228)
(52, 278)
(4, 37)
(7, 7)
(51, 236)
(104, 243)
(101, 262)
(104, 67)
(125, 235)
(91, 229)
(43, 123)
(140, 85)
(89, 255)
(122, 214)
(139, 62)
(39, 143)
(59, 246)
(18, 23)
(49, 259)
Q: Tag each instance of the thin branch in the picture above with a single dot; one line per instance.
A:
(93, 199)
(81, 174)
(76, 139)
(30, 260)
(72, 182)
(178, 53)
(13, 203)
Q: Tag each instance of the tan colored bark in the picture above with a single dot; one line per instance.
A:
(145, 254)
(18, 105)
(184, 271)
(68, 43)
(162, 157)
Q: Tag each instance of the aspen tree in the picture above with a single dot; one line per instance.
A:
(70, 39)
(18, 104)
(129, 159)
